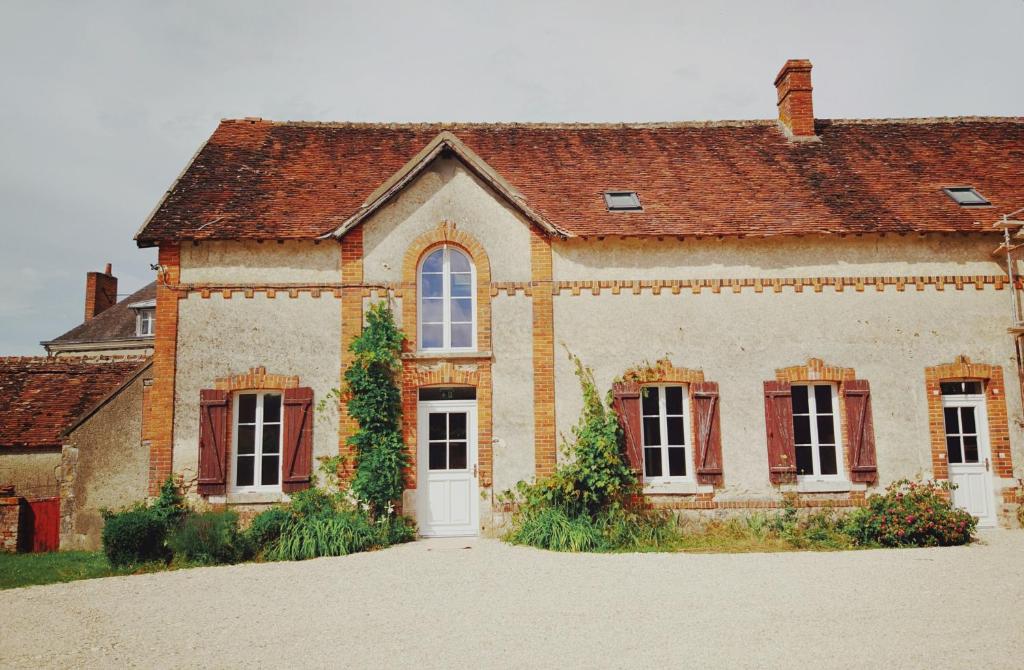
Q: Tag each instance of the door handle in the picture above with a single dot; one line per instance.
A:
(474, 469)
(986, 465)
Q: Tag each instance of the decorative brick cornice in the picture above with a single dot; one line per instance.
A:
(663, 371)
(776, 285)
(256, 379)
(815, 371)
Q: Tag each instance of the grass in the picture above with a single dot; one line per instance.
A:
(18, 570)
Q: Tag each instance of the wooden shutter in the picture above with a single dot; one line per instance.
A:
(297, 463)
(778, 420)
(860, 430)
(626, 403)
(213, 441)
(708, 436)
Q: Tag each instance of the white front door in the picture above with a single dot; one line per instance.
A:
(967, 452)
(448, 502)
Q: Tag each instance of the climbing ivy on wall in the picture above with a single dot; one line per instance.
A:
(374, 400)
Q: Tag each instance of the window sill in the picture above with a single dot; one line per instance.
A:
(823, 486)
(676, 488)
(447, 355)
(250, 498)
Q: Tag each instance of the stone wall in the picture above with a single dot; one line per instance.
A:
(10, 514)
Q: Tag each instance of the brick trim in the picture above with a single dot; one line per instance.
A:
(663, 371)
(256, 379)
(544, 425)
(995, 407)
(351, 327)
(165, 350)
(707, 501)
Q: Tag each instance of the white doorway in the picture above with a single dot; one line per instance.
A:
(447, 497)
(967, 449)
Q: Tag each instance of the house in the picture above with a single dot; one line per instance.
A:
(71, 422)
(791, 308)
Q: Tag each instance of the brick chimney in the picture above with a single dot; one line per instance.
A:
(796, 112)
(100, 291)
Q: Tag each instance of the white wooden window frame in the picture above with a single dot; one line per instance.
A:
(837, 429)
(663, 434)
(145, 322)
(258, 438)
(977, 402)
(446, 301)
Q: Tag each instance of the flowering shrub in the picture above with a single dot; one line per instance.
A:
(911, 514)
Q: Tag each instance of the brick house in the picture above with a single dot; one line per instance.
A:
(799, 306)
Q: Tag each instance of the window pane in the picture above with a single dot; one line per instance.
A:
(652, 431)
(823, 399)
(802, 429)
(674, 425)
(432, 285)
(438, 455)
(970, 448)
(271, 408)
(457, 261)
(952, 422)
(649, 400)
(827, 458)
(462, 309)
(826, 429)
(457, 456)
(804, 464)
(462, 335)
(246, 408)
(271, 469)
(433, 336)
(462, 285)
(953, 450)
(652, 462)
(434, 262)
(271, 438)
(244, 470)
(967, 420)
(438, 426)
(677, 462)
(972, 388)
(799, 400)
(674, 400)
(246, 439)
(457, 426)
(433, 310)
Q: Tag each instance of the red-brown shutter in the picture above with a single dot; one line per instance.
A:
(861, 431)
(709, 433)
(213, 441)
(297, 465)
(626, 403)
(778, 420)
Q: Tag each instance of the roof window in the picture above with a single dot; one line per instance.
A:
(622, 201)
(966, 196)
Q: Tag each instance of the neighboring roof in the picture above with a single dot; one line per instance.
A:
(41, 397)
(116, 323)
(256, 179)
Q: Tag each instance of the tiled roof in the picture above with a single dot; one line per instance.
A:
(40, 397)
(266, 180)
(115, 323)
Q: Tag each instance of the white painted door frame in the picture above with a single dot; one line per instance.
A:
(448, 501)
(974, 491)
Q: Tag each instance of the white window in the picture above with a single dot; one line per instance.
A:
(815, 432)
(257, 442)
(666, 413)
(144, 322)
(447, 310)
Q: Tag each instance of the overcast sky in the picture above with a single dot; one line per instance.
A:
(102, 104)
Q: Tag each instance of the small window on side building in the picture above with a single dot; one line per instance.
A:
(622, 201)
(966, 196)
(144, 323)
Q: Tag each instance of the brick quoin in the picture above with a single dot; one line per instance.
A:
(351, 327)
(165, 345)
(545, 445)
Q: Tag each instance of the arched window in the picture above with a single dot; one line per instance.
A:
(447, 310)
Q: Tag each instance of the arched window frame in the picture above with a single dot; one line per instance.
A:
(447, 298)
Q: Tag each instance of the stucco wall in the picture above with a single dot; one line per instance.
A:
(288, 336)
(815, 256)
(740, 339)
(35, 472)
(512, 374)
(247, 262)
(446, 191)
(105, 466)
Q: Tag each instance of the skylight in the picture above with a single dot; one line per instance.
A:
(622, 201)
(966, 196)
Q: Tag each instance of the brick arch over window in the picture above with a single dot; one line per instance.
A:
(447, 374)
(256, 379)
(446, 233)
(991, 376)
(815, 370)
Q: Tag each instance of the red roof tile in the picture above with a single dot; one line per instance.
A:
(40, 397)
(264, 180)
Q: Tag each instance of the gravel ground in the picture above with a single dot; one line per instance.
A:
(480, 603)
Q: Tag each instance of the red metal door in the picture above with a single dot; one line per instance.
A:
(45, 526)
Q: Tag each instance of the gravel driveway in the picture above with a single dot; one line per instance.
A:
(484, 604)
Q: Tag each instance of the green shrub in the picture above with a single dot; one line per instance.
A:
(134, 536)
(917, 514)
(209, 538)
(341, 532)
(170, 505)
(266, 527)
